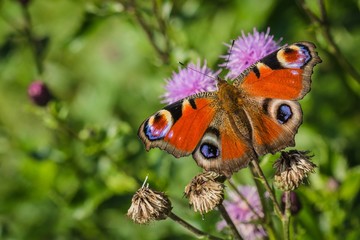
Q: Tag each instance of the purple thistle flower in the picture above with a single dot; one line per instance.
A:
(244, 215)
(39, 93)
(188, 81)
(247, 50)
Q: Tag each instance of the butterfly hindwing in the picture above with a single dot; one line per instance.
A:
(222, 148)
(274, 124)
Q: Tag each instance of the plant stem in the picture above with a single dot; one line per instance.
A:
(28, 31)
(228, 220)
(267, 187)
(244, 199)
(164, 55)
(260, 192)
(197, 232)
(162, 25)
(268, 223)
(334, 49)
(286, 216)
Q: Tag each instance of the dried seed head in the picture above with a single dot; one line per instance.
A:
(205, 191)
(292, 168)
(148, 205)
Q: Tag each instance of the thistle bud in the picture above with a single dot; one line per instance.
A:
(205, 191)
(148, 205)
(39, 93)
(292, 168)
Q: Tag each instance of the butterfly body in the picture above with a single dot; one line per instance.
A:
(257, 114)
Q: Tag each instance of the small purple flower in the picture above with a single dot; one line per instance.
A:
(332, 185)
(244, 215)
(247, 50)
(39, 93)
(188, 81)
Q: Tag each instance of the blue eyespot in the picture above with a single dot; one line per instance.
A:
(154, 134)
(306, 52)
(158, 125)
(283, 114)
(209, 151)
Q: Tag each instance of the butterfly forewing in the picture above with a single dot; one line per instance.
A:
(178, 127)
(284, 74)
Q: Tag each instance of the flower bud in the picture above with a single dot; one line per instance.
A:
(148, 205)
(205, 191)
(292, 168)
(39, 93)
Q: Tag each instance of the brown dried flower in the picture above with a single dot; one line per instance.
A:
(292, 168)
(205, 191)
(148, 205)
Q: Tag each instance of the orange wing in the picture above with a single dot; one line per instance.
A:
(272, 87)
(179, 127)
(223, 149)
(198, 125)
(284, 74)
(274, 122)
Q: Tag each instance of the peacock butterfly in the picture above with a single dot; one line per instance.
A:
(258, 113)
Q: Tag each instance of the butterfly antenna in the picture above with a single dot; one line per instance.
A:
(230, 51)
(195, 70)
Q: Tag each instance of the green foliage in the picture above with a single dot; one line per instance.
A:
(68, 171)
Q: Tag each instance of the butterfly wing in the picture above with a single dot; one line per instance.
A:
(198, 125)
(274, 123)
(284, 74)
(272, 86)
(224, 148)
(178, 127)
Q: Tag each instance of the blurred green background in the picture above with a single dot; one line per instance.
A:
(68, 171)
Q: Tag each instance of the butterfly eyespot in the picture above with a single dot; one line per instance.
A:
(157, 126)
(283, 114)
(288, 50)
(295, 56)
(209, 151)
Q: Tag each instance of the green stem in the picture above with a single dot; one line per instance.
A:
(133, 8)
(334, 49)
(286, 216)
(244, 199)
(31, 39)
(228, 220)
(197, 232)
(268, 223)
(267, 187)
